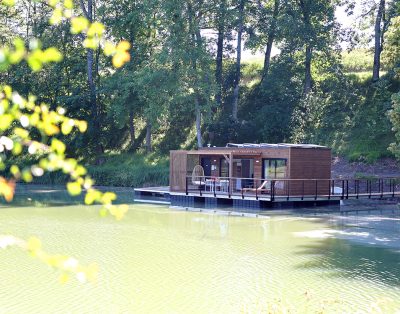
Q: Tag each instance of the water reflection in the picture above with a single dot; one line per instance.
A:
(170, 260)
(345, 259)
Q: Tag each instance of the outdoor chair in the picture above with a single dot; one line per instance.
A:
(198, 176)
(265, 187)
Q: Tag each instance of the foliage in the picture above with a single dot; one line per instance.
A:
(394, 116)
(30, 127)
(357, 60)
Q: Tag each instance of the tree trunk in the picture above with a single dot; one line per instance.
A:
(148, 138)
(238, 60)
(197, 42)
(132, 128)
(271, 37)
(304, 6)
(220, 52)
(378, 41)
(88, 12)
(308, 78)
(198, 123)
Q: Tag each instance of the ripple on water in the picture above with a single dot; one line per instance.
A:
(159, 260)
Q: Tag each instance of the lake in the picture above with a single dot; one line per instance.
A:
(168, 260)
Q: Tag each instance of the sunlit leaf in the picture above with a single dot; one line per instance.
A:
(56, 17)
(52, 55)
(120, 58)
(66, 126)
(74, 188)
(95, 28)
(69, 4)
(109, 49)
(79, 24)
(7, 189)
(5, 121)
(123, 46)
(27, 176)
(58, 146)
(9, 3)
(34, 244)
(82, 126)
(63, 278)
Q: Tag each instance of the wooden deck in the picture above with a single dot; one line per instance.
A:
(326, 192)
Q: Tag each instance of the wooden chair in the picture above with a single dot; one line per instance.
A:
(263, 188)
(198, 175)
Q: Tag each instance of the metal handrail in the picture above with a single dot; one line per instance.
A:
(389, 186)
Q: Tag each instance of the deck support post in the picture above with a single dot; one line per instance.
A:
(230, 174)
(316, 189)
(342, 189)
(272, 190)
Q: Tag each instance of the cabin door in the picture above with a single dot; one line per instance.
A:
(206, 164)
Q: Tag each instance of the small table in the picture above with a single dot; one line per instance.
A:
(221, 185)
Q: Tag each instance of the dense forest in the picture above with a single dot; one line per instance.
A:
(188, 84)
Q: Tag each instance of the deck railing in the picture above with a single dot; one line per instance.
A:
(290, 189)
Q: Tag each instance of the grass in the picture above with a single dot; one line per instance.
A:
(127, 170)
(131, 171)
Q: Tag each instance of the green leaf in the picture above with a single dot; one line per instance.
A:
(52, 55)
(58, 146)
(66, 126)
(9, 3)
(95, 29)
(5, 121)
(79, 24)
(74, 188)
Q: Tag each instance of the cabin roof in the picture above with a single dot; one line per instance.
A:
(279, 145)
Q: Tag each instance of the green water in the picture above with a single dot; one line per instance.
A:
(162, 260)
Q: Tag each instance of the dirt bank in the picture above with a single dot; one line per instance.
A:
(342, 168)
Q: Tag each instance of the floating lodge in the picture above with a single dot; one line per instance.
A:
(261, 175)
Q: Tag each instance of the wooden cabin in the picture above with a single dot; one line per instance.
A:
(252, 168)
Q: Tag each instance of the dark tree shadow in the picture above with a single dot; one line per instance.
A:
(356, 261)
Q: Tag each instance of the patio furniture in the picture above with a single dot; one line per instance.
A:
(198, 175)
(265, 187)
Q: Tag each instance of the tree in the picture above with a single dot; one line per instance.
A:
(236, 82)
(310, 27)
(30, 127)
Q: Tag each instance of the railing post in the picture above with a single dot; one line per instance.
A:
(256, 187)
(229, 187)
(393, 184)
(272, 190)
(201, 178)
(329, 187)
(356, 186)
(241, 190)
(214, 187)
(382, 187)
(302, 191)
(186, 186)
(288, 189)
(316, 189)
(342, 189)
(347, 189)
(370, 188)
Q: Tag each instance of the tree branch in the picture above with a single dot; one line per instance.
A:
(85, 12)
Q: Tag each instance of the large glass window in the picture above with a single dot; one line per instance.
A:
(224, 168)
(274, 168)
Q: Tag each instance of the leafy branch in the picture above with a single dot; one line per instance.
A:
(22, 119)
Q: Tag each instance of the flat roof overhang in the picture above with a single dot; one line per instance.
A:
(237, 153)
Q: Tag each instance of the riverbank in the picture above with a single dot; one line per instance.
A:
(138, 170)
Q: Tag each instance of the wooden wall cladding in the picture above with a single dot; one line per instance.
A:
(177, 170)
